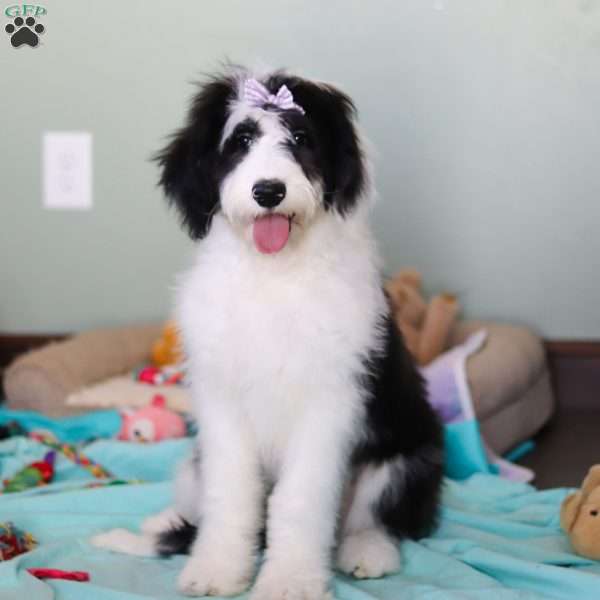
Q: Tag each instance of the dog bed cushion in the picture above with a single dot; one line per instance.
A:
(43, 379)
(123, 391)
(509, 382)
(508, 379)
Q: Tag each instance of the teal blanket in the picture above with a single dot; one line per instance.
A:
(497, 540)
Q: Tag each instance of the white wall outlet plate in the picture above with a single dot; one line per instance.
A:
(67, 170)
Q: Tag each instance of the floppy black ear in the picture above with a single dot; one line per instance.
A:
(332, 114)
(190, 161)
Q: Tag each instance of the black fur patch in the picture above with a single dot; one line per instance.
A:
(402, 427)
(331, 115)
(177, 540)
(306, 152)
(191, 163)
(409, 505)
(235, 146)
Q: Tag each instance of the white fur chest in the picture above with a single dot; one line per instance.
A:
(273, 335)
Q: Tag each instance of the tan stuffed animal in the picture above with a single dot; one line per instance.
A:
(580, 516)
(424, 326)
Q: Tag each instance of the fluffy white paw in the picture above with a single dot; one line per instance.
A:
(290, 582)
(208, 575)
(162, 521)
(126, 542)
(368, 554)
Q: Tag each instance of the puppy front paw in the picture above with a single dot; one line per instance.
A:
(208, 575)
(291, 582)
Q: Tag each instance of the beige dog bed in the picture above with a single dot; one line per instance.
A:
(43, 379)
(508, 377)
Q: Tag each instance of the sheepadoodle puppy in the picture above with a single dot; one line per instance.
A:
(316, 438)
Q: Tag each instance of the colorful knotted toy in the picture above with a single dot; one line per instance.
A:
(70, 452)
(33, 475)
(13, 541)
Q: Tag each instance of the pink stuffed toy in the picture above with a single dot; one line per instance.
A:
(151, 423)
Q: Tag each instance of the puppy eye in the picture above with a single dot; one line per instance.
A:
(243, 140)
(299, 137)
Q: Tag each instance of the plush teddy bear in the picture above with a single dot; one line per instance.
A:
(424, 326)
(151, 423)
(580, 516)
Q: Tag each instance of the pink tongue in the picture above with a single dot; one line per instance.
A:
(271, 233)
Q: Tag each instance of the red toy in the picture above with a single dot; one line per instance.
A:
(59, 574)
(167, 375)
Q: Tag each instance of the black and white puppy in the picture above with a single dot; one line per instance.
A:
(313, 418)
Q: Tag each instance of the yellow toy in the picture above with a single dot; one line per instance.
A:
(580, 516)
(167, 349)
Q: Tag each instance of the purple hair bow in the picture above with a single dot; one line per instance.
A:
(256, 94)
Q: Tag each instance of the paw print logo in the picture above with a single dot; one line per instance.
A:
(24, 32)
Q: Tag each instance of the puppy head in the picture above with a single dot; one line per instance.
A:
(269, 167)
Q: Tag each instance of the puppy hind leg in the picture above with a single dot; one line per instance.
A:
(366, 549)
(126, 542)
(395, 500)
(172, 530)
(163, 521)
(368, 554)
(186, 507)
(409, 506)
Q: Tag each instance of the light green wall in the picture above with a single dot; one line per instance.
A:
(485, 117)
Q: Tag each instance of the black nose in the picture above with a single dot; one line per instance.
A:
(268, 192)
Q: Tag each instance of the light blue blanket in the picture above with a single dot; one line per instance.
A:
(497, 540)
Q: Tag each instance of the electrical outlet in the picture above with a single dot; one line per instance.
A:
(67, 170)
